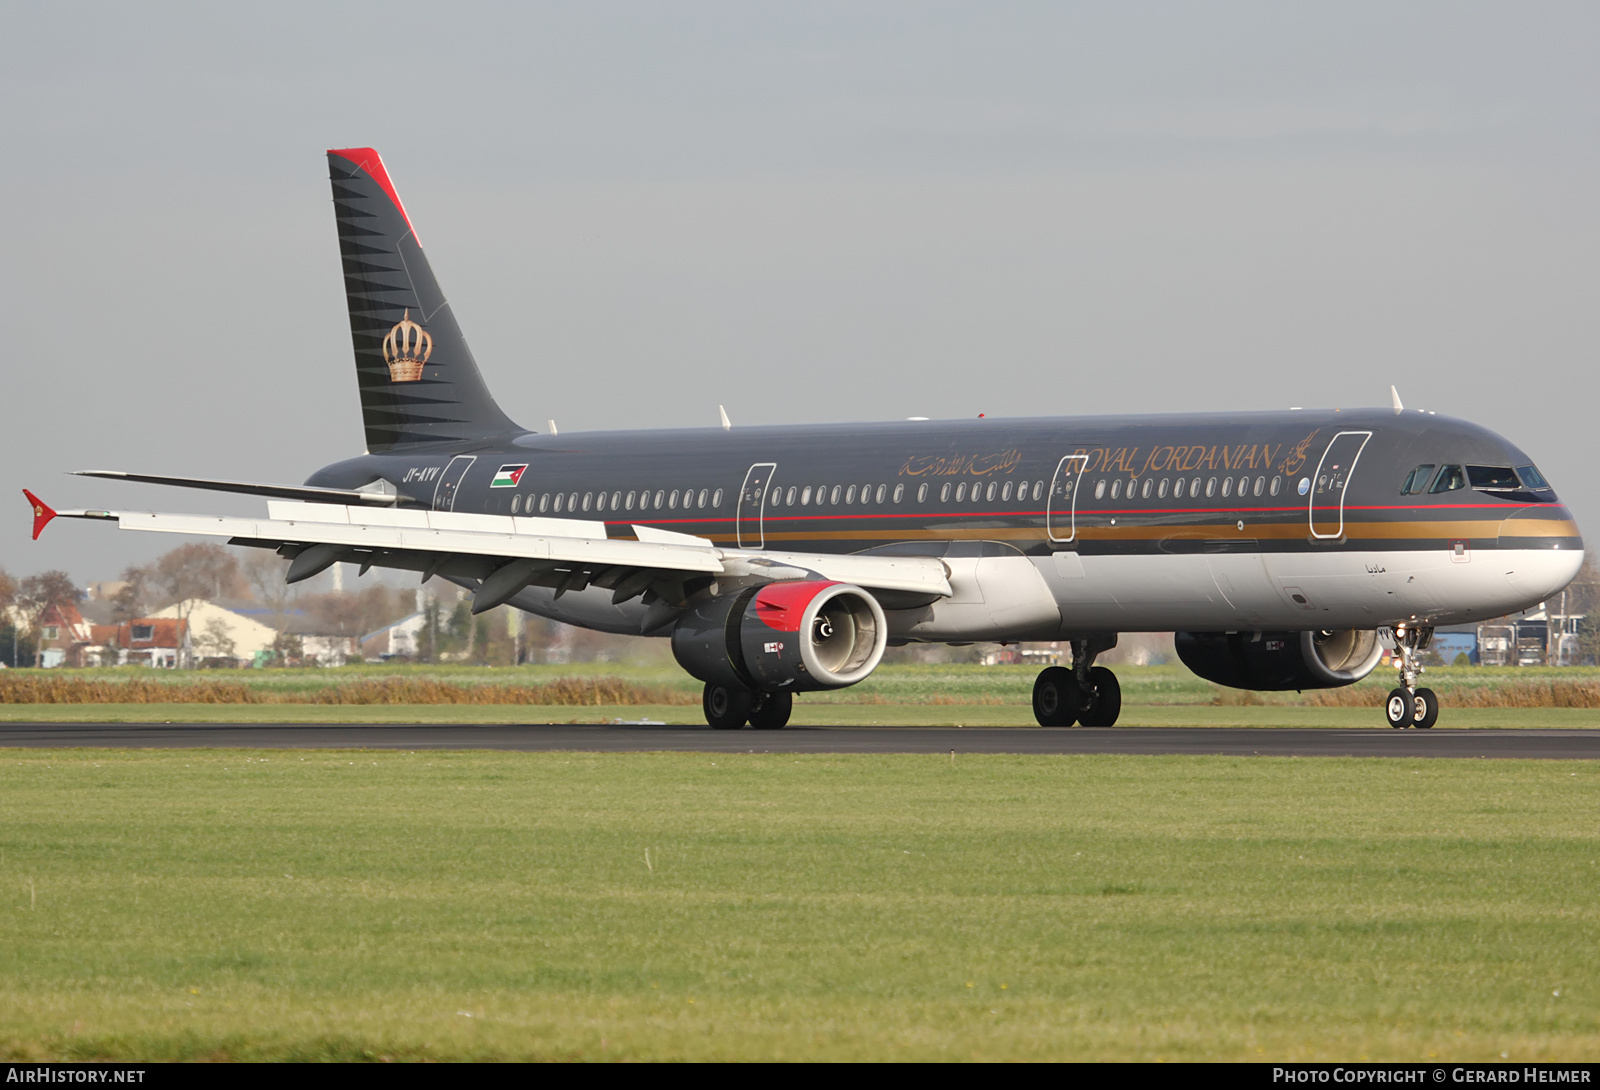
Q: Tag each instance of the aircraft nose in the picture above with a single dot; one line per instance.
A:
(1542, 549)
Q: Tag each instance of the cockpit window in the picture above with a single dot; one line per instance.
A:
(1494, 478)
(1449, 479)
(1417, 480)
(1533, 479)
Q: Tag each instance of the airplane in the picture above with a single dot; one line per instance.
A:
(1286, 550)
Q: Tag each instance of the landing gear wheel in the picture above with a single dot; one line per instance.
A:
(1425, 709)
(771, 711)
(725, 708)
(1103, 702)
(1056, 697)
(1400, 709)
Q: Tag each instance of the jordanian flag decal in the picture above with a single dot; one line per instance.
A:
(508, 476)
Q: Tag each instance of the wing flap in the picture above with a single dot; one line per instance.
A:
(366, 536)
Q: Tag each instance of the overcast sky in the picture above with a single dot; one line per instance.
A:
(807, 212)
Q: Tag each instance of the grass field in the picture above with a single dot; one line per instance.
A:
(806, 714)
(348, 905)
(894, 694)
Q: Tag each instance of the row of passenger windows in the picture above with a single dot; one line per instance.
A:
(661, 499)
(1180, 487)
(959, 492)
(846, 495)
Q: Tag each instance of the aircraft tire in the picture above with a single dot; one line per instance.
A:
(726, 708)
(1426, 706)
(1400, 709)
(1056, 697)
(772, 711)
(1103, 702)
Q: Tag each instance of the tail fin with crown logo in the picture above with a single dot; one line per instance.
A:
(419, 383)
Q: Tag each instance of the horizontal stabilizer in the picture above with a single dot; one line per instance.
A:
(304, 493)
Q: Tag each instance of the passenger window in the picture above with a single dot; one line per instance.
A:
(1194, 488)
(701, 501)
(1417, 480)
(716, 498)
(944, 492)
(790, 495)
(822, 494)
(835, 497)
(922, 492)
(1261, 484)
(627, 504)
(544, 501)
(1449, 479)
(1161, 489)
(559, 500)
(1005, 491)
(1038, 491)
(883, 489)
(1277, 485)
(516, 502)
(850, 494)
(1211, 487)
(1227, 487)
(988, 493)
(600, 501)
(805, 496)
(899, 492)
(1177, 488)
(661, 498)
(572, 503)
(672, 500)
(1100, 489)
(1244, 485)
(1116, 489)
(961, 491)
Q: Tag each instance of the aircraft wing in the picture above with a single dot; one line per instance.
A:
(505, 553)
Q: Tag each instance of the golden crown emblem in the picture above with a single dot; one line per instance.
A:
(406, 349)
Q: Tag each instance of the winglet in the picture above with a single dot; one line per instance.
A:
(42, 514)
(1394, 400)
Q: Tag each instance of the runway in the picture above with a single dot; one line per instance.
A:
(633, 738)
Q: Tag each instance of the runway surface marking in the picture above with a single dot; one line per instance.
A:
(1239, 741)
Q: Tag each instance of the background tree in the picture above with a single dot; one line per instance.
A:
(133, 599)
(203, 570)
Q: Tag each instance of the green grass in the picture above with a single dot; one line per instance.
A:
(892, 683)
(346, 905)
(807, 713)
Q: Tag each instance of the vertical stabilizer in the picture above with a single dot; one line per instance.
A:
(418, 381)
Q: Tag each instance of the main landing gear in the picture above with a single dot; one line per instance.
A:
(1409, 706)
(730, 709)
(1086, 693)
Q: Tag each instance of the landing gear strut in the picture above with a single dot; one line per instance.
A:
(1408, 705)
(728, 708)
(1086, 693)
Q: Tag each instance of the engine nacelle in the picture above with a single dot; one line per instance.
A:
(1280, 660)
(783, 637)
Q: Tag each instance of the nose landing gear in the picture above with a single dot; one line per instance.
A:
(1409, 705)
(1086, 693)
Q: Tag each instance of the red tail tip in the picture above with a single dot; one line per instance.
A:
(42, 514)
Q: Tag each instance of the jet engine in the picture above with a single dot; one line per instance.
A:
(1280, 660)
(796, 636)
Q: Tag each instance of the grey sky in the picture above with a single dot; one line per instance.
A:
(807, 212)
